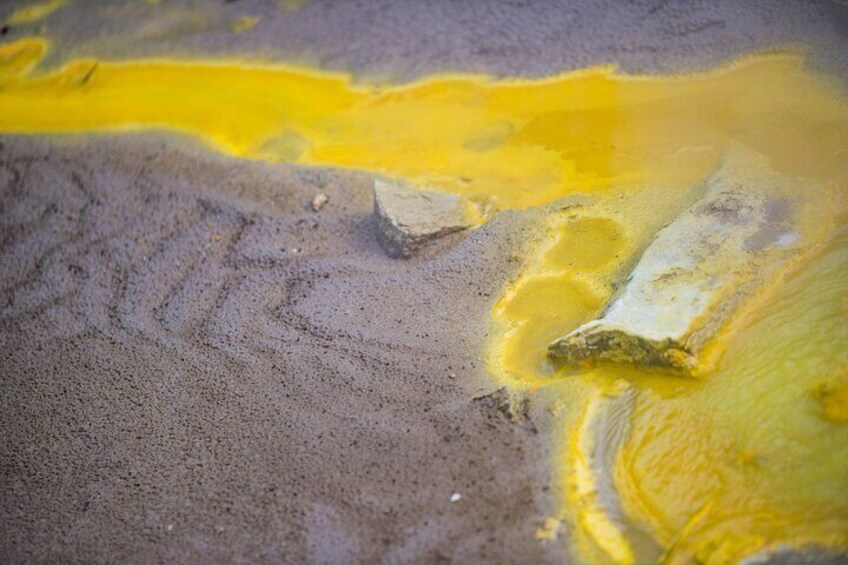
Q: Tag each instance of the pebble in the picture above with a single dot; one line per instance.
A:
(320, 201)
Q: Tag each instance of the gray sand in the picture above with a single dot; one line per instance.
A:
(196, 367)
(403, 39)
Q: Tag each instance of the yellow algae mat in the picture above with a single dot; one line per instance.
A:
(749, 457)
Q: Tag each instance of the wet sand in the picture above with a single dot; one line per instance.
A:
(196, 367)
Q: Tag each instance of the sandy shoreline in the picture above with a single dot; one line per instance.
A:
(196, 367)
(206, 376)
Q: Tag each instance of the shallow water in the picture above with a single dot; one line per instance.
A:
(752, 455)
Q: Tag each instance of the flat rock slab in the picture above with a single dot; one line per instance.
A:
(408, 219)
(697, 271)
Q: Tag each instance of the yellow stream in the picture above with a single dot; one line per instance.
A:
(754, 454)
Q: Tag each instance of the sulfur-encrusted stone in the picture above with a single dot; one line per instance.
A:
(697, 271)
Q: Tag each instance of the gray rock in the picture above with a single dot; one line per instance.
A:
(697, 271)
(408, 219)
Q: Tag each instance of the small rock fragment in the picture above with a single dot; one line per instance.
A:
(515, 407)
(455, 497)
(549, 530)
(319, 201)
(697, 271)
(408, 219)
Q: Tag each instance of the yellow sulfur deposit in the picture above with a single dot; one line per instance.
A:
(511, 143)
(753, 455)
(833, 395)
(35, 12)
(245, 23)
